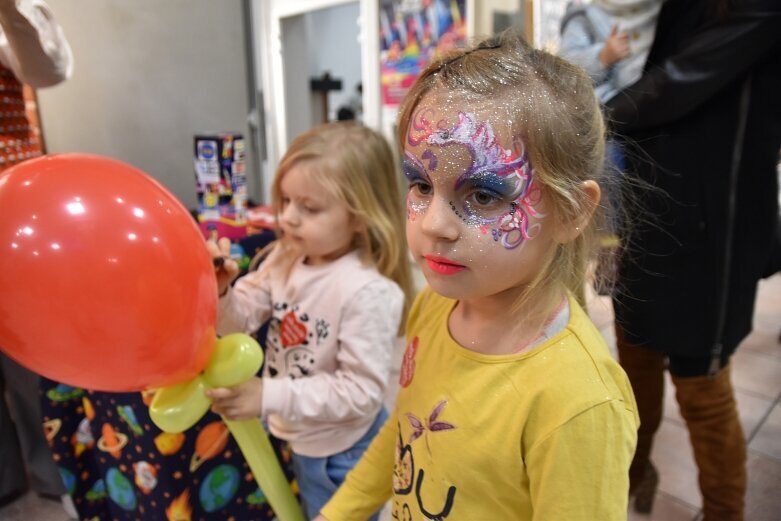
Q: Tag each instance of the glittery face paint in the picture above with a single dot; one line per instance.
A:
(496, 192)
(416, 175)
(475, 210)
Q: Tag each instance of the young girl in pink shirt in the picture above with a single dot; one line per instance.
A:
(335, 290)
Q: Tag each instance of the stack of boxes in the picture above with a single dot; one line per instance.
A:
(220, 172)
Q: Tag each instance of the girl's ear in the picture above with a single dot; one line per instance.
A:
(569, 230)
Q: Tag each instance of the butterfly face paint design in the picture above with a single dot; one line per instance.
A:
(496, 192)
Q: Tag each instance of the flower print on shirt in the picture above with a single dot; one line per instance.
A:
(408, 363)
(432, 424)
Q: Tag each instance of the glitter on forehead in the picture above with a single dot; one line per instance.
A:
(484, 148)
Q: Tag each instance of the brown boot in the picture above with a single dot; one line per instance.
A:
(645, 369)
(708, 406)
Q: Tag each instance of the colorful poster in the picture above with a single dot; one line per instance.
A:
(412, 33)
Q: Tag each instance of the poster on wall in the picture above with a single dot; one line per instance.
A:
(412, 33)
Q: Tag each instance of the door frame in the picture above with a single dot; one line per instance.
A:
(267, 19)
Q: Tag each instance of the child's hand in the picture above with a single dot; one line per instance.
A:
(242, 402)
(225, 268)
(616, 47)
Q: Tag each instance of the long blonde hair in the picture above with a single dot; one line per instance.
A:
(554, 112)
(355, 164)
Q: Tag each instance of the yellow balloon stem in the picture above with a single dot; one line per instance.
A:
(236, 359)
(256, 447)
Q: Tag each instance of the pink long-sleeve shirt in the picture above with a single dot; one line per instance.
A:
(331, 334)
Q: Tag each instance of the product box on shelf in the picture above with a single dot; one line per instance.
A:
(220, 174)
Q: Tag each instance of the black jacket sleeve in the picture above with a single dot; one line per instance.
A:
(708, 60)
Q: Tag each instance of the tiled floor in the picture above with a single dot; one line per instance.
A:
(757, 378)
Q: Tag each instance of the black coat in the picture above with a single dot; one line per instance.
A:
(705, 119)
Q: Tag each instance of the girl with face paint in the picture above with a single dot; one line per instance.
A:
(510, 407)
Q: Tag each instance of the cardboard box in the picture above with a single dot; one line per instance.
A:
(220, 173)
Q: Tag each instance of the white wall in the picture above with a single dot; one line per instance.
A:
(333, 43)
(276, 61)
(484, 12)
(312, 43)
(148, 75)
(298, 98)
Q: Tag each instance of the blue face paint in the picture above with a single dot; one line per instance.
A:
(414, 170)
(419, 186)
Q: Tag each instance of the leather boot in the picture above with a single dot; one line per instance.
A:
(645, 369)
(708, 406)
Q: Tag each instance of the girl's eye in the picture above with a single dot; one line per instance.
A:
(421, 187)
(310, 209)
(483, 198)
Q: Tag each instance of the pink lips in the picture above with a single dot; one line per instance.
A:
(442, 265)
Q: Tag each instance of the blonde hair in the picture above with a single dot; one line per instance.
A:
(356, 166)
(554, 112)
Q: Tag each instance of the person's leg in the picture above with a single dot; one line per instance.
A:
(708, 406)
(22, 387)
(645, 369)
(13, 479)
(318, 478)
(314, 485)
(340, 464)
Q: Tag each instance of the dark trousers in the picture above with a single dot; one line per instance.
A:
(23, 448)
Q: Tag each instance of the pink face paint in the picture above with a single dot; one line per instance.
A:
(420, 128)
(497, 186)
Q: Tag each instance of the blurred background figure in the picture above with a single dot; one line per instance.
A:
(355, 102)
(33, 51)
(353, 109)
(610, 39)
(706, 120)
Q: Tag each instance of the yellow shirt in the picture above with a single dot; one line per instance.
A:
(546, 434)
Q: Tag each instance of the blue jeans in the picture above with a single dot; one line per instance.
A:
(318, 478)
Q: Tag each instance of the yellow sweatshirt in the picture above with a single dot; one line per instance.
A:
(546, 434)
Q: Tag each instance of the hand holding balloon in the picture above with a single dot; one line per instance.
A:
(235, 361)
(225, 268)
(241, 402)
(106, 284)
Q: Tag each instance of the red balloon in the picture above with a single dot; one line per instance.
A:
(106, 281)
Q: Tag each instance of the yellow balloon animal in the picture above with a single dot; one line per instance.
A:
(236, 358)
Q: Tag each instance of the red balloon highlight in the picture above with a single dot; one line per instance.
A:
(106, 281)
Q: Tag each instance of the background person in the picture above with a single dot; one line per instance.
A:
(33, 51)
(705, 119)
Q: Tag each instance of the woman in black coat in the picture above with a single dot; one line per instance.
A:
(703, 125)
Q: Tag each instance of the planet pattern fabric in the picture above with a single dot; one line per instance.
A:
(117, 465)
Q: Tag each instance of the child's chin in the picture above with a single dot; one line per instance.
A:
(445, 288)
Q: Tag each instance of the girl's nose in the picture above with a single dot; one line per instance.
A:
(440, 221)
(289, 214)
